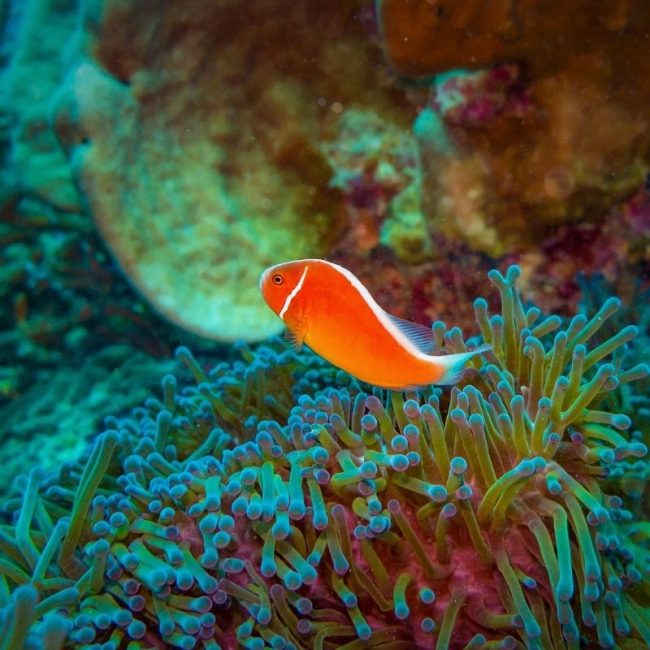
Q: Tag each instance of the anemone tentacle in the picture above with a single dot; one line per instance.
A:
(278, 503)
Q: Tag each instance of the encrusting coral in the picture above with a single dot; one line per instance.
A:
(376, 165)
(279, 504)
(511, 137)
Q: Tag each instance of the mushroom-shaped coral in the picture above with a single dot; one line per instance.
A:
(193, 132)
(501, 515)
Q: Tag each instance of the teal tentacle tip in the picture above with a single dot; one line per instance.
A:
(637, 449)
(399, 462)
(600, 514)
(495, 276)
(605, 371)
(539, 463)
(560, 337)
(110, 436)
(379, 523)
(629, 332)
(411, 408)
(427, 625)
(304, 606)
(562, 383)
(621, 421)
(369, 423)
(612, 304)
(513, 273)
(25, 595)
(517, 402)
(497, 321)
(364, 631)
(580, 351)
(449, 510)
(458, 465)
(427, 595)
(643, 370)
(458, 416)
(476, 420)
(136, 629)
(438, 493)
(350, 600)
(402, 611)
(292, 580)
(525, 468)
(169, 381)
(182, 351)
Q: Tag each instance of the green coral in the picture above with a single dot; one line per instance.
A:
(277, 503)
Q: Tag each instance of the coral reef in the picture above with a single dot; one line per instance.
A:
(63, 304)
(192, 136)
(556, 135)
(199, 175)
(279, 503)
(34, 173)
(376, 165)
(196, 179)
(62, 293)
(58, 415)
(617, 248)
(474, 99)
(75, 343)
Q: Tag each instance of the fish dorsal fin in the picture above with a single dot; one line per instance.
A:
(420, 336)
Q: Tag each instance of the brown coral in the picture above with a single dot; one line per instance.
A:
(194, 134)
(581, 148)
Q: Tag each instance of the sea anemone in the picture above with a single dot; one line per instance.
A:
(280, 504)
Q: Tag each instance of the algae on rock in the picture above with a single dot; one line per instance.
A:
(546, 112)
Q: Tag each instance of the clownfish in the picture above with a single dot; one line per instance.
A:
(327, 307)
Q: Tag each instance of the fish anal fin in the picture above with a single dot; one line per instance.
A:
(420, 335)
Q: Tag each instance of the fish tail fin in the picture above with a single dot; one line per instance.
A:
(455, 365)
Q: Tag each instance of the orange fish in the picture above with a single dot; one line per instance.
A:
(325, 306)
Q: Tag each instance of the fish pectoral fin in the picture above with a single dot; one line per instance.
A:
(420, 335)
(294, 339)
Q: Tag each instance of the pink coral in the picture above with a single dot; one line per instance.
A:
(472, 99)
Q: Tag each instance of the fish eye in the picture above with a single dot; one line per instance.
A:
(277, 279)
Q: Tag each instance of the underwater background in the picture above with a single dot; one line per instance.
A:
(176, 474)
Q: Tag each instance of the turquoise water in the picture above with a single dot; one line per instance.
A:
(178, 473)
